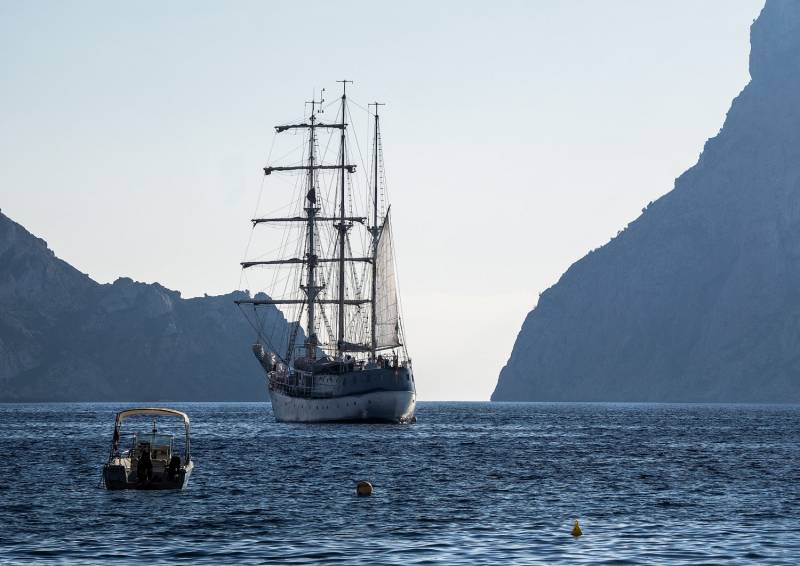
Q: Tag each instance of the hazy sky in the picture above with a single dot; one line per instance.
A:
(518, 136)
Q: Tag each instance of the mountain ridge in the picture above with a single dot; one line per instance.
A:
(66, 337)
(698, 299)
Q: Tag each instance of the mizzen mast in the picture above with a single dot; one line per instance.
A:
(374, 230)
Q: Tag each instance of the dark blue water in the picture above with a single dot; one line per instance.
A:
(470, 482)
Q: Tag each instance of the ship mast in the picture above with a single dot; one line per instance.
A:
(311, 288)
(311, 260)
(374, 231)
(342, 225)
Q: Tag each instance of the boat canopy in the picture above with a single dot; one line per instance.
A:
(122, 415)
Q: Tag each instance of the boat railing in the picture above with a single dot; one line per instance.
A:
(301, 384)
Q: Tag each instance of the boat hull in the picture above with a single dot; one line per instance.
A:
(117, 476)
(375, 406)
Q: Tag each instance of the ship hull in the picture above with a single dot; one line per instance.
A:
(118, 475)
(377, 406)
(373, 395)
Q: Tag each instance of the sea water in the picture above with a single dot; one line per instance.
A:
(468, 483)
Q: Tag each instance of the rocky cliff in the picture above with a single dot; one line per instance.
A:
(698, 299)
(65, 337)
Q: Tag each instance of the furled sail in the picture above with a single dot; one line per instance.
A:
(387, 327)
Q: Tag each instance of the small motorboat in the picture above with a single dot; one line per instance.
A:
(150, 461)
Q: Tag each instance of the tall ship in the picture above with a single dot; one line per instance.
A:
(333, 277)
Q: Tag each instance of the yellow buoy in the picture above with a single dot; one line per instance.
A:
(576, 529)
(363, 489)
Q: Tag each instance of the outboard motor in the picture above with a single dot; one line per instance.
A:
(268, 360)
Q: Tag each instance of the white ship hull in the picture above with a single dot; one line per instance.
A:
(376, 406)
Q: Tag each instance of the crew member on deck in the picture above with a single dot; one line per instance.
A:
(144, 469)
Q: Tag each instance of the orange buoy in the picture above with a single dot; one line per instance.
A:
(576, 529)
(363, 489)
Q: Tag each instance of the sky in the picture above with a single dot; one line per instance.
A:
(518, 136)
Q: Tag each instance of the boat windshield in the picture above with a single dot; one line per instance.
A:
(160, 445)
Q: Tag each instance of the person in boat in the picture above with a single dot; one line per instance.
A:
(144, 469)
(174, 466)
(115, 442)
(380, 361)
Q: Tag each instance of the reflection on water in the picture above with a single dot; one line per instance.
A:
(470, 482)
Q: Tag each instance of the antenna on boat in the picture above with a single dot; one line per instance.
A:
(154, 426)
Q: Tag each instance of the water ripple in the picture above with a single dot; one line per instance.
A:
(470, 482)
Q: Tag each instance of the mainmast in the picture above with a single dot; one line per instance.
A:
(342, 225)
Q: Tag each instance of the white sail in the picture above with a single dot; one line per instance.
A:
(387, 328)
